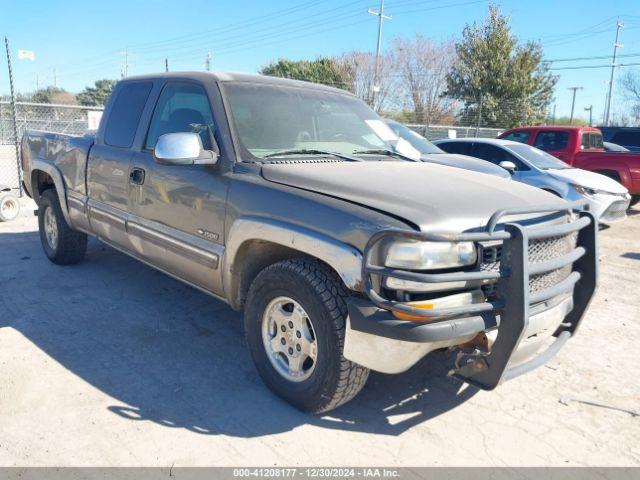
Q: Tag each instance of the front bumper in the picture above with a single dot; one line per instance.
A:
(608, 207)
(516, 323)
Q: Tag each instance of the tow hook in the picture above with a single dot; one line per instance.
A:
(471, 355)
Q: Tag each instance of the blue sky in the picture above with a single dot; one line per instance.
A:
(85, 40)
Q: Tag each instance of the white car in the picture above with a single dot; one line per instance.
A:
(607, 199)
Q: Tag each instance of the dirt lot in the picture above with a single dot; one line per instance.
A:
(111, 363)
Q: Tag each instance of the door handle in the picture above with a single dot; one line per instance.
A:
(136, 176)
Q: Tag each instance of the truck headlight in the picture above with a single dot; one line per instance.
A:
(430, 255)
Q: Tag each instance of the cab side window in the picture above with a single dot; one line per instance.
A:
(462, 148)
(182, 107)
(121, 126)
(551, 140)
(495, 155)
(518, 136)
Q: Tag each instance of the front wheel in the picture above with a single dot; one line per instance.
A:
(295, 325)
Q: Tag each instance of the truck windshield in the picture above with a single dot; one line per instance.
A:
(538, 158)
(270, 121)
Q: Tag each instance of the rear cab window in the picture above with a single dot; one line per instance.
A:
(121, 126)
(551, 140)
(591, 140)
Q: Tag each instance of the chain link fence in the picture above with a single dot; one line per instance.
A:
(69, 119)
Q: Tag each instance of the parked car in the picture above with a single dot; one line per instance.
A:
(628, 137)
(286, 200)
(606, 198)
(582, 147)
(431, 153)
(614, 147)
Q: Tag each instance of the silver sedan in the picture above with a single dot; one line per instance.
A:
(607, 199)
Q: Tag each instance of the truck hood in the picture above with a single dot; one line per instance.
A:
(436, 198)
(588, 179)
(468, 163)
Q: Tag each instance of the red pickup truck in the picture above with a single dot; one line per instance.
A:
(582, 147)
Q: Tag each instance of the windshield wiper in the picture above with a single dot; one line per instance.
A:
(383, 151)
(311, 151)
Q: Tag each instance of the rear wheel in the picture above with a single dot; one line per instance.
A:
(295, 325)
(62, 244)
(634, 200)
(9, 207)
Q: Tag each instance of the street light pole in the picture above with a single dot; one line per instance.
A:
(590, 110)
(573, 102)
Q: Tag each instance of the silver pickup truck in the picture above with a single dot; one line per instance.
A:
(291, 201)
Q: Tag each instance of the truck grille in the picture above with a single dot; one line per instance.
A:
(539, 251)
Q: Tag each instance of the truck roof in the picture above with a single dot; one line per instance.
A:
(235, 77)
(565, 128)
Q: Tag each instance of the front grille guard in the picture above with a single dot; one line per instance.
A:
(486, 370)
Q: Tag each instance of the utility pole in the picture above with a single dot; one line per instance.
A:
(207, 62)
(573, 102)
(37, 83)
(381, 16)
(55, 77)
(166, 64)
(124, 70)
(15, 115)
(616, 45)
(479, 114)
(590, 110)
(553, 115)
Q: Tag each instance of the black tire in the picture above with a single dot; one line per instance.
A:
(9, 207)
(634, 200)
(320, 292)
(71, 245)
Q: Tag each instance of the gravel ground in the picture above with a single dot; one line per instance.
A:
(112, 363)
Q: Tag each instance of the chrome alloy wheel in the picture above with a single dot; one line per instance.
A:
(289, 339)
(51, 228)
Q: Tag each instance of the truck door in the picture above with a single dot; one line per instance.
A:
(108, 163)
(178, 211)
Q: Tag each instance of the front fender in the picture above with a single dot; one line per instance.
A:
(344, 259)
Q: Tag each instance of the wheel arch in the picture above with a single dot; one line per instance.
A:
(254, 244)
(45, 176)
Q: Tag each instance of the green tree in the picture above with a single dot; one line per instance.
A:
(47, 95)
(98, 94)
(515, 86)
(322, 70)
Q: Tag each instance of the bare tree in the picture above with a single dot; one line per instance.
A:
(630, 83)
(360, 67)
(421, 66)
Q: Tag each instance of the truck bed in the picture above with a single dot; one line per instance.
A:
(66, 153)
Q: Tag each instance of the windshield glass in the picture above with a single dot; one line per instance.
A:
(416, 140)
(537, 158)
(269, 120)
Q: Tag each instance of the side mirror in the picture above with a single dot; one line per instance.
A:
(508, 166)
(182, 148)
